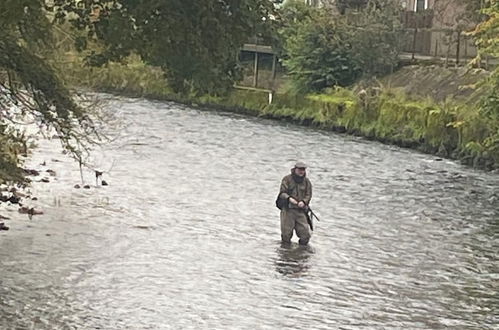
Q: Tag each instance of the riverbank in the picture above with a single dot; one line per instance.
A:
(451, 129)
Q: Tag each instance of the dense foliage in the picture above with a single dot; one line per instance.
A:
(30, 88)
(323, 49)
(195, 42)
(487, 36)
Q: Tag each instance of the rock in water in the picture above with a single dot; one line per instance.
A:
(31, 172)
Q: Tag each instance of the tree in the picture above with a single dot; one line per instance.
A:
(378, 36)
(487, 32)
(319, 55)
(291, 15)
(29, 87)
(487, 40)
(324, 50)
(344, 5)
(194, 42)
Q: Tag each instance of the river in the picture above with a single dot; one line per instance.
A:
(186, 235)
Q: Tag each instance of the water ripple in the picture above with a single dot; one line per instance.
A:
(187, 237)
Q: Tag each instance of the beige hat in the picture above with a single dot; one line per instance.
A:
(300, 165)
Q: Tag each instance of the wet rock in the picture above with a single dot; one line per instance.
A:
(141, 227)
(46, 180)
(3, 226)
(3, 218)
(104, 183)
(19, 194)
(56, 160)
(43, 164)
(86, 186)
(14, 199)
(31, 172)
(30, 211)
(438, 159)
(34, 199)
(77, 186)
(51, 172)
(23, 210)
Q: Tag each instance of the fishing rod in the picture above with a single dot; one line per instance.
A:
(313, 214)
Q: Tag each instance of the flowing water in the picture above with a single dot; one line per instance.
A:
(186, 235)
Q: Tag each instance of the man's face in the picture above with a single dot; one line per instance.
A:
(300, 171)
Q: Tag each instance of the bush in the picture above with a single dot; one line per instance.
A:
(324, 50)
(319, 55)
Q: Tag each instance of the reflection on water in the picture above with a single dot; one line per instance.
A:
(185, 236)
(293, 259)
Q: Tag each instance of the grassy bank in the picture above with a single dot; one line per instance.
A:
(447, 129)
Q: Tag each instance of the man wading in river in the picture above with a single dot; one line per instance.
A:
(294, 196)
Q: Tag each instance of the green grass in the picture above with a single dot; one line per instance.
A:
(448, 129)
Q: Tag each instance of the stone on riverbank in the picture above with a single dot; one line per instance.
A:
(30, 211)
(31, 172)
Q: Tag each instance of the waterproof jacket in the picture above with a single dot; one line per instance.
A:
(299, 191)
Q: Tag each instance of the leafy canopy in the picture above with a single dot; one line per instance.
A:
(194, 42)
(322, 49)
(30, 87)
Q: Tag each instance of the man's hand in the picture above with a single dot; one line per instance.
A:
(293, 201)
(302, 205)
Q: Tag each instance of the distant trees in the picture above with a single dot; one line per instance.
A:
(343, 5)
(194, 42)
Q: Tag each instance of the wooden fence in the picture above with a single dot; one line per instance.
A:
(452, 45)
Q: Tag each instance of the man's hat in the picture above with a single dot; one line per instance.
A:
(300, 165)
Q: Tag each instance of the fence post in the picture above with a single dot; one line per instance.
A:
(414, 42)
(273, 75)
(255, 70)
(274, 63)
(458, 48)
(465, 49)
